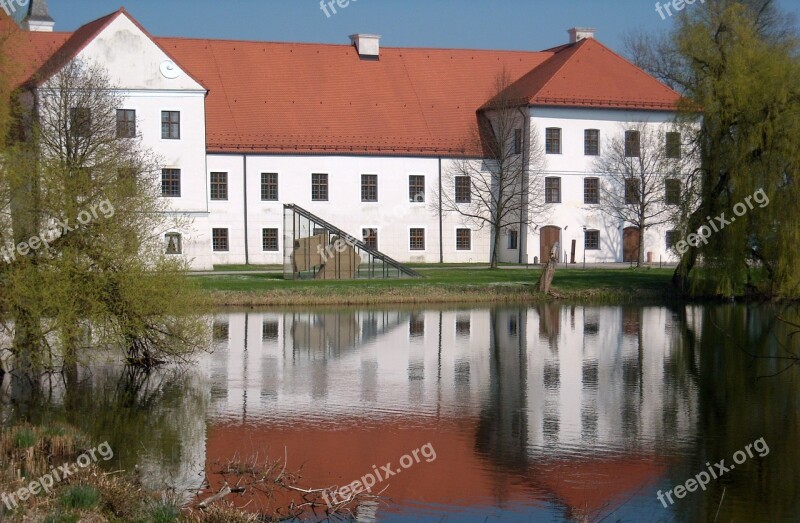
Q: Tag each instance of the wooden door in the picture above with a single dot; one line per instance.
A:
(549, 236)
(630, 244)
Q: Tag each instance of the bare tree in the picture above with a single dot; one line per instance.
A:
(502, 189)
(643, 177)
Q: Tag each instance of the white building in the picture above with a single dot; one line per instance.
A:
(353, 132)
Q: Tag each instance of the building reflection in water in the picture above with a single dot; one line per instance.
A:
(560, 408)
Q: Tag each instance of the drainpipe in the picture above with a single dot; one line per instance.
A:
(441, 240)
(244, 185)
(523, 222)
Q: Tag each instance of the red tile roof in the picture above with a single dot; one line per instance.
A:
(314, 98)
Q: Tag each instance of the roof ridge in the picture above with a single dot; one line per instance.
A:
(571, 47)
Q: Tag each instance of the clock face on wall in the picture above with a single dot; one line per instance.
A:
(169, 69)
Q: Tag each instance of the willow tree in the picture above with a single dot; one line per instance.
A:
(503, 189)
(738, 62)
(87, 270)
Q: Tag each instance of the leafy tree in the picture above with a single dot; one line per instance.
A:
(737, 61)
(87, 269)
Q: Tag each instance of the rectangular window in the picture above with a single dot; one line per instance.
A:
(591, 142)
(269, 187)
(672, 191)
(463, 239)
(591, 240)
(632, 144)
(171, 183)
(416, 241)
(369, 187)
(673, 145)
(517, 141)
(463, 189)
(591, 190)
(80, 120)
(170, 125)
(552, 140)
(269, 240)
(370, 237)
(513, 240)
(552, 190)
(126, 123)
(416, 188)
(173, 241)
(631, 191)
(319, 187)
(219, 186)
(672, 239)
(219, 240)
(269, 330)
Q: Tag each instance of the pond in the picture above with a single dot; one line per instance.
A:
(512, 413)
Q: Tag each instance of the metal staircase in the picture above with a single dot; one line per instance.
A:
(309, 251)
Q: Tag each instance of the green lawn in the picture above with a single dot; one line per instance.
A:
(565, 280)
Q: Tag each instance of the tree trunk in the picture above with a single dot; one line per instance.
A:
(548, 272)
(495, 247)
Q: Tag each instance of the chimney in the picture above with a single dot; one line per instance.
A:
(38, 18)
(368, 46)
(576, 34)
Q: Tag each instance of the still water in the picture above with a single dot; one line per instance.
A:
(546, 413)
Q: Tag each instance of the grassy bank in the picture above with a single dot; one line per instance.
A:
(440, 285)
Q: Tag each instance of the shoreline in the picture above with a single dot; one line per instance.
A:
(483, 294)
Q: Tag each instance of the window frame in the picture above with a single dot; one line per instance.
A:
(171, 125)
(167, 237)
(587, 191)
(226, 238)
(674, 150)
(459, 191)
(268, 186)
(370, 238)
(588, 235)
(411, 231)
(80, 122)
(171, 193)
(591, 144)
(415, 189)
(551, 140)
(548, 191)
(264, 239)
(469, 239)
(632, 191)
(369, 188)
(513, 240)
(319, 183)
(633, 145)
(672, 196)
(220, 186)
(126, 123)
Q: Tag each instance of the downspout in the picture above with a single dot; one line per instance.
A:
(525, 174)
(441, 229)
(244, 185)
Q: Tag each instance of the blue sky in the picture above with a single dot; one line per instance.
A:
(484, 24)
